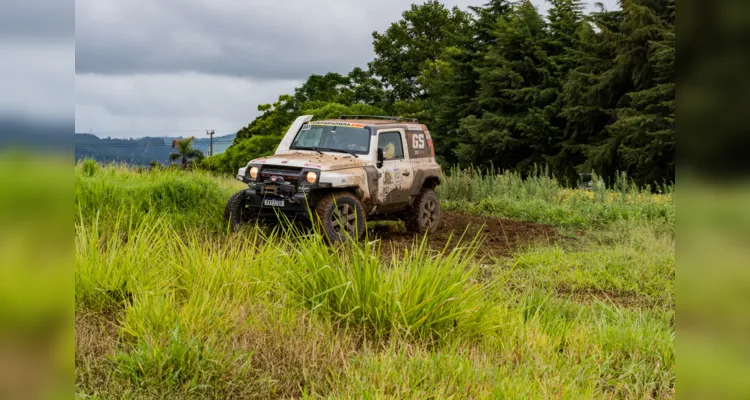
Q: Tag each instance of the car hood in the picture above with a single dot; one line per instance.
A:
(324, 162)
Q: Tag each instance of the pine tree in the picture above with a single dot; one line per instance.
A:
(503, 86)
(645, 126)
(589, 94)
(566, 47)
(486, 21)
(639, 95)
(515, 87)
(565, 22)
(452, 80)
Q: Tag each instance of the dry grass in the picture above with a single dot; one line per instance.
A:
(294, 352)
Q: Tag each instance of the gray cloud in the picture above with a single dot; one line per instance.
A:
(38, 19)
(37, 79)
(156, 104)
(150, 66)
(286, 39)
(266, 40)
(36, 74)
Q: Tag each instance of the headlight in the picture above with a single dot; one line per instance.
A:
(311, 177)
(254, 172)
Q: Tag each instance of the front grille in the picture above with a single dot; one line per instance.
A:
(289, 174)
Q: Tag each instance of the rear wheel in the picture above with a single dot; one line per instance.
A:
(425, 212)
(341, 216)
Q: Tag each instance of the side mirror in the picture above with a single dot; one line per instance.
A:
(381, 157)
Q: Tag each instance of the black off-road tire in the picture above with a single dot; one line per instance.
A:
(340, 216)
(424, 215)
(237, 212)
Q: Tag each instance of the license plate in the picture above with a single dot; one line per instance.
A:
(273, 203)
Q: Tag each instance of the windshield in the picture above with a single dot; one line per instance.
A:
(335, 136)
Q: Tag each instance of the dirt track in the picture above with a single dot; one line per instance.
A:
(500, 236)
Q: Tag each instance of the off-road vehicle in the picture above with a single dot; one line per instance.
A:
(343, 172)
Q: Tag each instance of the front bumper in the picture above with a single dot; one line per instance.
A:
(265, 198)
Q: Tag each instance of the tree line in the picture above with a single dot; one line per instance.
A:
(500, 85)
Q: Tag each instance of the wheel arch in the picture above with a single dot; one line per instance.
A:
(320, 192)
(429, 179)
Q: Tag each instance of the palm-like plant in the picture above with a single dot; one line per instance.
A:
(185, 151)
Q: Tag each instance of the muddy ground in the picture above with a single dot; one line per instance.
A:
(499, 236)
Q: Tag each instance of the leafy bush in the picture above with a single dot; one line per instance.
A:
(89, 167)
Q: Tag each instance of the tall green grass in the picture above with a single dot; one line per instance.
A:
(187, 198)
(548, 348)
(197, 197)
(422, 295)
(541, 198)
(170, 304)
(181, 297)
(184, 305)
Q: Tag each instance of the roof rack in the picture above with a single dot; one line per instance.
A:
(414, 120)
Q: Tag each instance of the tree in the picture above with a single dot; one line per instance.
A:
(358, 87)
(486, 21)
(331, 87)
(569, 35)
(273, 119)
(365, 88)
(636, 92)
(502, 85)
(516, 85)
(420, 36)
(451, 81)
(334, 110)
(185, 151)
(645, 125)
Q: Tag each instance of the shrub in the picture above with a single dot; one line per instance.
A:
(89, 167)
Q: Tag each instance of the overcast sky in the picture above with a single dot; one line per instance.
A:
(179, 67)
(37, 47)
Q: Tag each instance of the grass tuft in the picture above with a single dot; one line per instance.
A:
(423, 295)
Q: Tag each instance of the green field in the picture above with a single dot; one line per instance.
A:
(171, 304)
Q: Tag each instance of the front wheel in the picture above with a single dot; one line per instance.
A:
(425, 212)
(237, 210)
(341, 216)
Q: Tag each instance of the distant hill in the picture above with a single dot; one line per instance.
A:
(37, 134)
(141, 151)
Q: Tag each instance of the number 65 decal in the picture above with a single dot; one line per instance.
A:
(417, 141)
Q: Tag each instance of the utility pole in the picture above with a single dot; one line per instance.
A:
(210, 143)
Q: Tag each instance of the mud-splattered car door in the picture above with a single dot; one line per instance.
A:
(396, 174)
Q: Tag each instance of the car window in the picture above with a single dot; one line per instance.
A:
(309, 137)
(327, 135)
(391, 144)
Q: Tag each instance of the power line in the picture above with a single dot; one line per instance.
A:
(138, 144)
(139, 148)
(93, 132)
